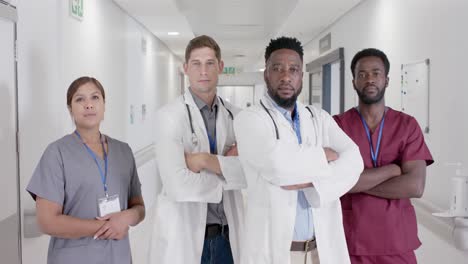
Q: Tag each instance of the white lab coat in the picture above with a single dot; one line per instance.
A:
(181, 209)
(270, 163)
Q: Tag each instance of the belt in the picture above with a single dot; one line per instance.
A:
(213, 230)
(304, 246)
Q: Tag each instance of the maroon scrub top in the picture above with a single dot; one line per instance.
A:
(373, 225)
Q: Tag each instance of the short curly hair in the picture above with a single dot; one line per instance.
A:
(284, 43)
(370, 52)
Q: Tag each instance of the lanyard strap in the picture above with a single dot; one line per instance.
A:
(212, 141)
(374, 154)
(103, 174)
(296, 122)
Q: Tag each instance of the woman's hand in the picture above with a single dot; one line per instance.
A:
(116, 226)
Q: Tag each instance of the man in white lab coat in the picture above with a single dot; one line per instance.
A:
(200, 209)
(298, 163)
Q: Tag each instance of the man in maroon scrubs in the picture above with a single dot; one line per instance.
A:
(379, 220)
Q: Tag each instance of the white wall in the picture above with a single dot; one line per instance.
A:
(8, 119)
(240, 96)
(54, 49)
(259, 91)
(409, 31)
(240, 79)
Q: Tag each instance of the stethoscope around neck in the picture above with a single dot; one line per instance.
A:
(189, 113)
(314, 121)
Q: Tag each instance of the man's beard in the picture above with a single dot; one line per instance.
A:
(371, 100)
(283, 102)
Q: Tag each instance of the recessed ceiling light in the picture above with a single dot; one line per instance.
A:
(173, 33)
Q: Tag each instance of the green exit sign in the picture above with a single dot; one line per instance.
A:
(76, 9)
(229, 70)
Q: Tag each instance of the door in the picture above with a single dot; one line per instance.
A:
(326, 88)
(331, 90)
(9, 177)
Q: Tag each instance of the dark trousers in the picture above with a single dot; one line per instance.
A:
(217, 250)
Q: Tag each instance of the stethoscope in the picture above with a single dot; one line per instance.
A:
(194, 136)
(314, 121)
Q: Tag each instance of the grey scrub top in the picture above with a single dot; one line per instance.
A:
(67, 175)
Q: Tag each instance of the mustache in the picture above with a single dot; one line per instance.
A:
(287, 86)
(370, 86)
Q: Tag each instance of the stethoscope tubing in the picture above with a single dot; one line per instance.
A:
(314, 121)
(189, 113)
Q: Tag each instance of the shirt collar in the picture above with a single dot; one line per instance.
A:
(201, 104)
(286, 113)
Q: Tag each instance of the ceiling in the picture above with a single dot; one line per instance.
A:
(241, 27)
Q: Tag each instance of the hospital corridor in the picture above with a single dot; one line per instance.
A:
(328, 131)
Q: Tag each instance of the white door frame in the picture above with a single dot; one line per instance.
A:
(9, 13)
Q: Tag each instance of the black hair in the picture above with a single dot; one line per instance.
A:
(284, 43)
(370, 52)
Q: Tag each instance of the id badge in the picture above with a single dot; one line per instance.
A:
(108, 205)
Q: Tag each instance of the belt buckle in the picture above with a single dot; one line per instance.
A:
(306, 249)
(307, 246)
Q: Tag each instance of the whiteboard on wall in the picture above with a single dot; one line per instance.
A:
(415, 92)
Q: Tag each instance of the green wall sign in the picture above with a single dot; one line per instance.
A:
(229, 70)
(76, 9)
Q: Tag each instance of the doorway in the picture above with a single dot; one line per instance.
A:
(326, 82)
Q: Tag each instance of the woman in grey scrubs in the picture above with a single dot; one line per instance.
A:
(86, 187)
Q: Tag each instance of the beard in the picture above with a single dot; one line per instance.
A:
(283, 102)
(368, 100)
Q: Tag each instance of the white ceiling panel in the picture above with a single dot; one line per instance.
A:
(241, 27)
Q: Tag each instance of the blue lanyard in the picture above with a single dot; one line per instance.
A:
(374, 154)
(212, 142)
(296, 122)
(103, 174)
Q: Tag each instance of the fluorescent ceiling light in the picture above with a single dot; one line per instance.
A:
(173, 33)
